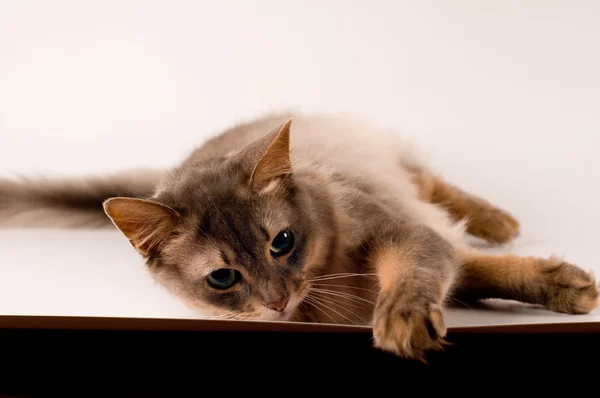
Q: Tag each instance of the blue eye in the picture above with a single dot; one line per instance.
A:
(283, 243)
(224, 278)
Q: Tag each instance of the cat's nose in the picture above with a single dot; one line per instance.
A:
(278, 305)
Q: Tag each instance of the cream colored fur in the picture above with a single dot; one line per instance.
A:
(334, 143)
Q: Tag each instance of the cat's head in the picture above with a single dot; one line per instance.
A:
(237, 236)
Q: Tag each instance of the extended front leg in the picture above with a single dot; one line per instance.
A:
(416, 268)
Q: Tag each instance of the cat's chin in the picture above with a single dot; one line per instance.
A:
(276, 317)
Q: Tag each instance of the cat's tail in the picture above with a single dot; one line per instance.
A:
(69, 203)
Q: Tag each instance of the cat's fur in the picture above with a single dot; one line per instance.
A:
(378, 237)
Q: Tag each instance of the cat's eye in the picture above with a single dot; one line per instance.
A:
(283, 243)
(224, 278)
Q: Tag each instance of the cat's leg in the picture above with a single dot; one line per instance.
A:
(484, 220)
(416, 269)
(552, 283)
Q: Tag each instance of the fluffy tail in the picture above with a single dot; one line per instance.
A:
(69, 203)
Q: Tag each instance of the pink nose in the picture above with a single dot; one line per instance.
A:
(279, 305)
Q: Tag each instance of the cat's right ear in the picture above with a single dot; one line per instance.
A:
(144, 222)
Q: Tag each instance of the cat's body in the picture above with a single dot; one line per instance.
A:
(354, 160)
(333, 222)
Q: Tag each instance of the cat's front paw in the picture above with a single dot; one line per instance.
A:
(408, 329)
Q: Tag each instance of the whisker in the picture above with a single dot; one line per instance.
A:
(345, 273)
(348, 296)
(337, 312)
(326, 278)
(332, 300)
(341, 275)
(339, 299)
(226, 316)
(461, 302)
(217, 316)
(344, 286)
(311, 301)
(339, 305)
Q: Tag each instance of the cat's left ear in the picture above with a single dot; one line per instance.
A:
(275, 161)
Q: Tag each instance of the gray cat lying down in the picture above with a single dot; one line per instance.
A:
(326, 221)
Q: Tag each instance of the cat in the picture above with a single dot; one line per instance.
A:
(331, 220)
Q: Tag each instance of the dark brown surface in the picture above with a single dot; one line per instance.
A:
(91, 355)
(116, 323)
(83, 362)
(139, 324)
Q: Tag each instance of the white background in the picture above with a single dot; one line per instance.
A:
(502, 95)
